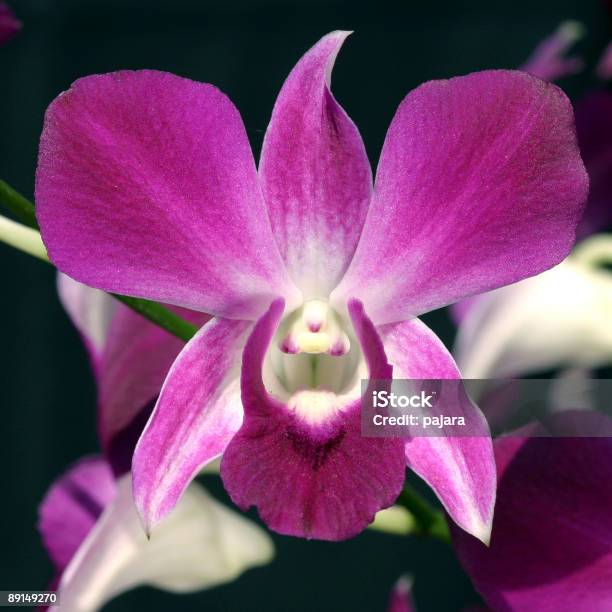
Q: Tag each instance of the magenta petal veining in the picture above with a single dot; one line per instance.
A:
(460, 469)
(197, 414)
(168, 192)
(479, 184)
(315, 173)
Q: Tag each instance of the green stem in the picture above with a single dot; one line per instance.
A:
(160, 316)
(430, 522)
(23, 209)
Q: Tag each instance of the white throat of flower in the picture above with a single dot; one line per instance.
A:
(314, 364)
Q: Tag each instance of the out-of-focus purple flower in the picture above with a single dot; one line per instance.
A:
(9, 24)
(594, 129)
(146, 186)
(401, 596)
(88, 520)
(604, 66)
(130, 358)
(91, 530)
(548, 61)
(551, 545)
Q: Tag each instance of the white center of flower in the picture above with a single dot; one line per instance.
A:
(314, 363)
(313, 406)
(315, 329)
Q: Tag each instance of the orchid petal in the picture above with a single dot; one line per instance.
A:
(480, 184)
(131, 358)
(315, 174)
(460, 469)
(550, 547)
(560, 318)
(71, 507)
(199, 545)
(310, 475)
(197, 413)
(137, 358)
(146, 186)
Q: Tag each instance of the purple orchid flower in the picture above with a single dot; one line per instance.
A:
(9, 24)
(88, 520)
(551, 543)
(146, 186)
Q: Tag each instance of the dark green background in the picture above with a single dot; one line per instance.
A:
(246, 48)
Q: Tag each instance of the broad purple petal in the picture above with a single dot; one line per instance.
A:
(315, 174)
(551, 542)
(310, 478)
(480, 184)
(460, 469)
(197, 413)
(9, 24)
(594, 128)
(146, 186)
(72, 506)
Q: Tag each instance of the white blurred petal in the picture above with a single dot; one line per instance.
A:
(561, 318)
(90, 310)
(200, 544)
(573, 389)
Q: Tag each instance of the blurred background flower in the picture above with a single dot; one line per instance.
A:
(88, 519)
(550, 548)
(9, 24)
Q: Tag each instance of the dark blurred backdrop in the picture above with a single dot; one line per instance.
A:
(246, 48)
